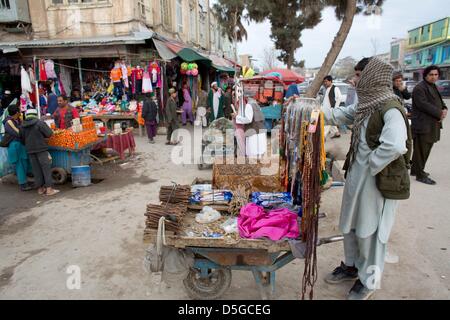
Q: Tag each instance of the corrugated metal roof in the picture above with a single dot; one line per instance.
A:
(135, 38)
(8, 49)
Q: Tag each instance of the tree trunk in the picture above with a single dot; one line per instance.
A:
(290, 61)
(335, 50)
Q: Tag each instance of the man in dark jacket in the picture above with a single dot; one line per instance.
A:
(227, 101)
(149, 114)
(171, 116)
(34, 133)
(428, 112)
(399, 89)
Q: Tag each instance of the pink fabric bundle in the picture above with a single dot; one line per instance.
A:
(255, 223)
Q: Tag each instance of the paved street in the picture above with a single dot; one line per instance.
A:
(100, 230)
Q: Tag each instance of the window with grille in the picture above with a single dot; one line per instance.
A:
(193, 24)
(202, 27)
(165, 13)
(179, 11)
(438, 29)
(395, 52)
(425, 33)
(5, 5)
(144, 9)
(79, 2)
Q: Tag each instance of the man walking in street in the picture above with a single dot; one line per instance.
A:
(428, 112)
(150, 114)
(332, 99)
(34, 133)
(202, 105)
(227, 101)
(215, 103)
(377, 176)
(171, 116)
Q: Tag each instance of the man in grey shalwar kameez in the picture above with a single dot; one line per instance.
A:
(367, 217)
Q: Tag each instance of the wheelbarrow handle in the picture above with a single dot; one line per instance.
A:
(330, 240)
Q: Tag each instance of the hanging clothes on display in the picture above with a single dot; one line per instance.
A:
(125, 75)
(50, 70)
(116, 78)
(65, 83)
(133, 80)
(42, 71)
(25, 81)
(147, 83)
(32, 75)
(155, 72)
(139, 77)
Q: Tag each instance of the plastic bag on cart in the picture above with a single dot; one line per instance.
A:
(174, 264)
(230, 226)
(208, 215)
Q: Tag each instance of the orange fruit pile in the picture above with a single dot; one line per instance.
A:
(71, 140)
(88, 123)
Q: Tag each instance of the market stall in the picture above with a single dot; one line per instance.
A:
(72, 148)
(268, 91)
(252, 217)
(119, 142)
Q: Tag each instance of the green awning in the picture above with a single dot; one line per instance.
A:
(190, 55)
(224, 68)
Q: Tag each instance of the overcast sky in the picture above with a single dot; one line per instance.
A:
(398, 17)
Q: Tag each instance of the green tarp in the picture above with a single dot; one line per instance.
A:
(224, 69)
(190, 55)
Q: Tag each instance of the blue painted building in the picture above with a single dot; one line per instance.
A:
(428, 45)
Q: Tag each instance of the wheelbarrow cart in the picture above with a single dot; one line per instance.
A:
(215, 259)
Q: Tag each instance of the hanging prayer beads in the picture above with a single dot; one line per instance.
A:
(304, 161)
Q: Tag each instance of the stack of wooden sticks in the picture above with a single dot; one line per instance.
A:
(175, 194)
(174, 214)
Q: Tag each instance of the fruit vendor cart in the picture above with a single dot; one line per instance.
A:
(64, 159)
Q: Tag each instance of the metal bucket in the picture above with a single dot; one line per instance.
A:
(81, 176)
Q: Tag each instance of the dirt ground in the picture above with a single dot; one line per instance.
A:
(100, 230)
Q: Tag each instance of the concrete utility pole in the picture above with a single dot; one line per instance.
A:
(81, 77)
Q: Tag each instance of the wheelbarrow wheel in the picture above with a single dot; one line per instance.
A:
(211, 288)
(59, 176)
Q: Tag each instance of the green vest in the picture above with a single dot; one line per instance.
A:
(393, 182)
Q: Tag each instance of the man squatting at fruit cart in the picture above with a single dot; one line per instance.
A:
(377, 176)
